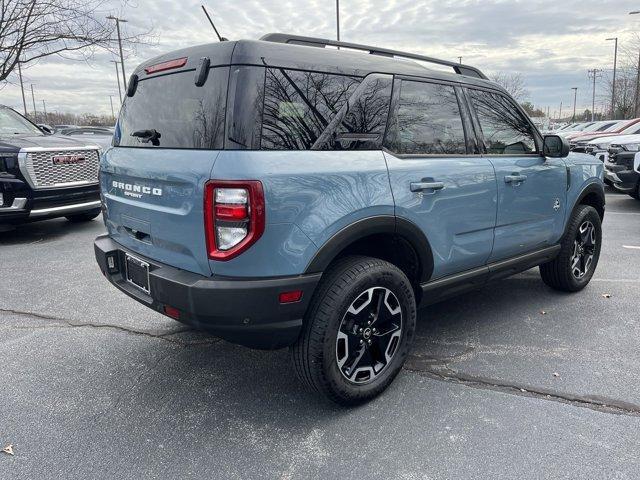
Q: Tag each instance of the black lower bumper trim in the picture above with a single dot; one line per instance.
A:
(243, 311)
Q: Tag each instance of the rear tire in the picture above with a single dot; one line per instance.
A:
(358, 330)
(83, 217)
(576, 263)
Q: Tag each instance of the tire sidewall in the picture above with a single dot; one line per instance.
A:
(590, 214)
(395, 281)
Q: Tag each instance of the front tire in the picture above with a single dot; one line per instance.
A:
(576, 263)
(358, 330)
(636, 193)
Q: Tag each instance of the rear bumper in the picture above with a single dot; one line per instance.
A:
(246, 312)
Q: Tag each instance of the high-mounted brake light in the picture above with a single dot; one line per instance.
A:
(234, 216)
(168, 65)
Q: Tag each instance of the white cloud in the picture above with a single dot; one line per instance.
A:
(551, 43)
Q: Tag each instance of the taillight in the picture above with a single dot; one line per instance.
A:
(168, 65)
(234, 216)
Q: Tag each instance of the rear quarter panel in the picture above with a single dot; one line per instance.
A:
(310, 196)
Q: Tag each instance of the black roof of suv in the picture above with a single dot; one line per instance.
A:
(293, 52)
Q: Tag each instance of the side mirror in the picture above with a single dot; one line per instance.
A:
(555, 146)
(45, 130)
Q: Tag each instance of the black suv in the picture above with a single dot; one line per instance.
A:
(44, 176)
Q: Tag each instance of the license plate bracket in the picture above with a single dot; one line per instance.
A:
(137, 273)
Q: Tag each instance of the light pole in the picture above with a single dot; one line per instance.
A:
(560, 116)
(338, 19)
(594, 72)
(635, 105)
(33, 98)
(44, 107)
(575, 98)
(113, 115)
(118, 78)
(460, 59)
(24, 100)
(118, 20)
(615, 68)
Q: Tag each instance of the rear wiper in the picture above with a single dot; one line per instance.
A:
(147, 136)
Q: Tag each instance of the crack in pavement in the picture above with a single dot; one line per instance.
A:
(434, 367)
(438, 368)
(72, 324)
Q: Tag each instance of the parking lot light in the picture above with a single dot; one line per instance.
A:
(635, 105)
(615, 68)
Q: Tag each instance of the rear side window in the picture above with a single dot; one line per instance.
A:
(427, 121)
(185, 116)
(506, 131)
(298, 106)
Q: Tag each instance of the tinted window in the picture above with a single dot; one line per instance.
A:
(186, 116)
(427, 121)
(298, 106)
(361, 122)
(506, 131)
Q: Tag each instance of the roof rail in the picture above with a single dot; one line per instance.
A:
(458, 68)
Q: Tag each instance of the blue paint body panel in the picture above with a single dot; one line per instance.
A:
(458, 220)
(309, 196)
(168, 227)
(531, 213)
(476, 219)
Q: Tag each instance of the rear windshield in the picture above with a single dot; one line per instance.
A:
(184, 115)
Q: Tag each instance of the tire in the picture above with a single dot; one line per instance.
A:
(83, 217)
(636, 193)
(346, 298)
(560, 273)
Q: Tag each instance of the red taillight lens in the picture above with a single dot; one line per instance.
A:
(234, 216)
(168, 65)
(231, 212)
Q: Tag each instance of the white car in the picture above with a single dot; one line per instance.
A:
(600, 146)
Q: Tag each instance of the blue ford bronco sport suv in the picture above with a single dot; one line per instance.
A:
(279, 194)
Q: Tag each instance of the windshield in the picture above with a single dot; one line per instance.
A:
(631, 130)
(12, 123)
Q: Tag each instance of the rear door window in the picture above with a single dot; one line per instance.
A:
(185, 116)
(427, 121)
(506, 131)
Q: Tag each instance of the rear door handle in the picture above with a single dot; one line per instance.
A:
(514, 178)
(422, 186)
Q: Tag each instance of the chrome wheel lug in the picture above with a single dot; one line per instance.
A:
(369, 342)
(361, 342)
(369, 323)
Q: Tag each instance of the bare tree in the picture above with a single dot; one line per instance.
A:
(34, 29)
(513, 83)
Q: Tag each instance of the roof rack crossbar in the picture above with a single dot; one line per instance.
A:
(459, 68)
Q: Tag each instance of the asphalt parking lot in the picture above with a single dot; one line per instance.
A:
(515, 380)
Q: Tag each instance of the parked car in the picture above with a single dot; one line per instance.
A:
(622, 167)
(576, 128)
(277, 194)
(596, 127)
(99, 135)
(44, 176)
(580, 143)
(599, 147)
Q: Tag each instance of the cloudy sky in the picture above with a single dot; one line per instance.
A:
(552, 43)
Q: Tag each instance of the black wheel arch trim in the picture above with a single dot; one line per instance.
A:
(593, 187)
(365, 227)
